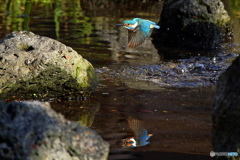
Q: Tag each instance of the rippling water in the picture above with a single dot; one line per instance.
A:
(179, 120)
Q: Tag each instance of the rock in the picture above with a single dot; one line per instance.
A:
(195, 72)
(194, 24)
(36, 64)
(226, 111)
(33, 131)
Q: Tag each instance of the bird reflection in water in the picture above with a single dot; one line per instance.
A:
(141, 135)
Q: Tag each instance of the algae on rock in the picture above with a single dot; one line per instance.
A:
(31, 63)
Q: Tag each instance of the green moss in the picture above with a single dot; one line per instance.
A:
(86, 120)
(89, 80)
(54, 81)
(78, 72)
(93, 80)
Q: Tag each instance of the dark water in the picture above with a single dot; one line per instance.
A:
(178, 119)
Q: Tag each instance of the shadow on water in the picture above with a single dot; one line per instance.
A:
(176, 122)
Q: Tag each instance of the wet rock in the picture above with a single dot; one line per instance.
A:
(36, 64)
(32, 130)
(195, 24)
(226, 111)
(194, 72)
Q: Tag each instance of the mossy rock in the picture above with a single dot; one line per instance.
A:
(33, 64)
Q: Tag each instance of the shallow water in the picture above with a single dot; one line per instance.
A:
(179, 119)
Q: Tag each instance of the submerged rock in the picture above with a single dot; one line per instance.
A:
(226, 111)
(35, 64)
(195, 24)
(198, 71)
(33, 131)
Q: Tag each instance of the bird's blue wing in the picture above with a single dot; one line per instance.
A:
(153, 23)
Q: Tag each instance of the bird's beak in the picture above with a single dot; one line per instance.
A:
(117, 25)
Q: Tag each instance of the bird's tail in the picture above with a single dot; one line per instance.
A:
(156, 26)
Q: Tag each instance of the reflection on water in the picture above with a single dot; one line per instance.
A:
(179, 119)
(179, 123)
(140, 134)
(87, 26)
(80, 109)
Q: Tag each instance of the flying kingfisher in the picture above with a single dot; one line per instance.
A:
(138, 30)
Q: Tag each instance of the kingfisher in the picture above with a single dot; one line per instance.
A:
(140, 139)
(140, 134)
(138, 30)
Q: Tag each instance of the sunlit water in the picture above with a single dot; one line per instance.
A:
(177, 121)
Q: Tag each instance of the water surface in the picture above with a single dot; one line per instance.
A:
(178, 119)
